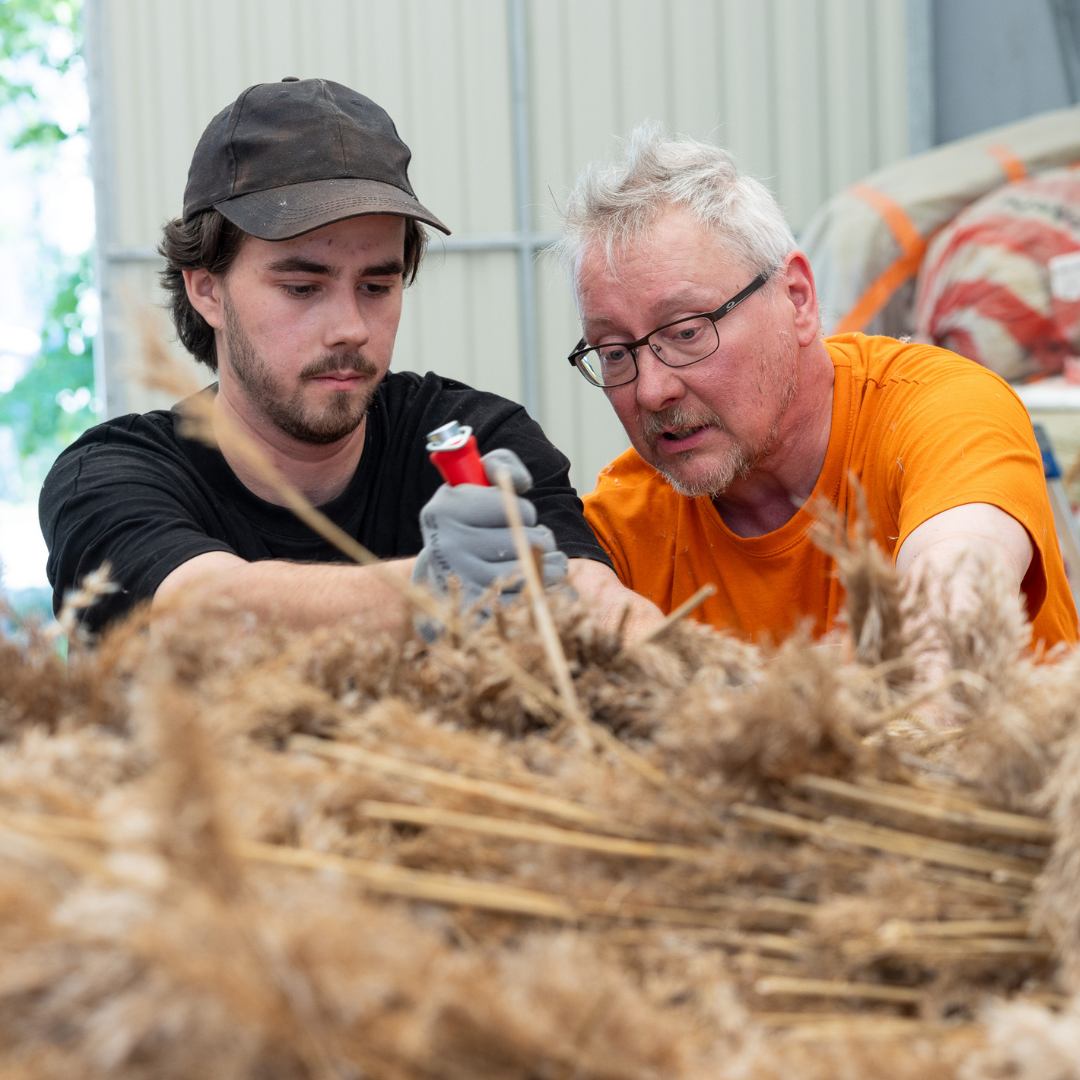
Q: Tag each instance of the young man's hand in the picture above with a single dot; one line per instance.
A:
(467, 536)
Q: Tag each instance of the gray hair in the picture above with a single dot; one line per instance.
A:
(617, 202)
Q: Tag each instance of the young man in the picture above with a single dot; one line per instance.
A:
(285, 273)
(701, 328)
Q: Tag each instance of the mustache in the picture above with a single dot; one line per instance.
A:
(354, 361)
(654, 424)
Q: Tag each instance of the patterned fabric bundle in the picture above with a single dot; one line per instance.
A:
(1001, 283)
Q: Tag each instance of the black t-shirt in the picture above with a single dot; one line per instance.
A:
(134, 493)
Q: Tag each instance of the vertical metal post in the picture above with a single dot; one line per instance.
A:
(108, 390)
(517, 25)
(920, 76)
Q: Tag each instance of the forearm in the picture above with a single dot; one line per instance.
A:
(612, 604)
(305, 595)
(948, 562)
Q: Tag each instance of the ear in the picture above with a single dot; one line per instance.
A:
(204, 294)
(798, 287)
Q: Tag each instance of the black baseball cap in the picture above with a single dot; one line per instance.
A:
(289, 157)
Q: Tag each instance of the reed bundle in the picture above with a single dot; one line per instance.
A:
(231, 849)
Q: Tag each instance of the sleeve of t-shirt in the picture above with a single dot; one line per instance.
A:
(113, 498)
(557, 503)
(964, 437)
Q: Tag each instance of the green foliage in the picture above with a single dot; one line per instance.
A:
(62, 373)
(52, 402)
(44, 31)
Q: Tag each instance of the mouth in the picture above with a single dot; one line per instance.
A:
(678, 435)
(338, 379)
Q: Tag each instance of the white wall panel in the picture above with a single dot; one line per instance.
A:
(809, 94)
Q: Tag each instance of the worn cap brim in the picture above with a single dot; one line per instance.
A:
(284, 212)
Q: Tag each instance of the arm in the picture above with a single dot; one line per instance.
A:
(305, 594)
(609, 598)
(934, 552)
(937, 543)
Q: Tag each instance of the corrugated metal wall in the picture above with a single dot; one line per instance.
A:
(810, 94)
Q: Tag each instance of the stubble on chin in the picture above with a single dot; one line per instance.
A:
(340, 417)
(736, 463)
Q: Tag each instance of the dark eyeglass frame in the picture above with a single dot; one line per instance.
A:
(713, 316)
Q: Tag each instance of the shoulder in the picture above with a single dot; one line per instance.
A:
(138, 449)
(137, 436)
(887, 361)
(152, 427)
(914, 376)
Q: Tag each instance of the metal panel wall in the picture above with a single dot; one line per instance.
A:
(810, 94)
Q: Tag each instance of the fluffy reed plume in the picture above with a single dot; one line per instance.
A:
(1057, 908)
(1028, 1042)
(876, 616)
(1014, 706)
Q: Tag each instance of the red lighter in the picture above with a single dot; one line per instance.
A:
(454, 453)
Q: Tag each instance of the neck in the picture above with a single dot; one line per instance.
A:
(319, 473)
(771, 495)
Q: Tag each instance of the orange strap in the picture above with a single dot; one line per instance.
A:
(1011, 165)
(912, 247)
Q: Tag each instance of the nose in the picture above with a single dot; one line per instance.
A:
(657, 385)
(345, 327)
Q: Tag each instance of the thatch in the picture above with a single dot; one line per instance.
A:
(232, 849)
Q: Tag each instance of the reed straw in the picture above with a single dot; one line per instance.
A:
(680, 613)
(568, 701)
(203, 423)
(544, 834)
(793, 985)
(417, 884)
(913, 845)
(545, 624)
(914, 802)
(428, 774)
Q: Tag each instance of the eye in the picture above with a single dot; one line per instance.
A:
(613, 354)
(372, 289)
(300, 291)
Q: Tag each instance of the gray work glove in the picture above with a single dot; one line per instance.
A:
(466, 534)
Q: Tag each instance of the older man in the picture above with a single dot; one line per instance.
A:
(701, 328)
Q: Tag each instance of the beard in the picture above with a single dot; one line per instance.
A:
(341, 416)
(737, 462)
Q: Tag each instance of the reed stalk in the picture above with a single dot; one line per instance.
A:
(417, 884)
(208, 426)
(900, 929)
(492, 790)
(545, 624)
(680, 613)
(567, 701)
(914, 802)
(793, 985)
(879, 838)
(544, 834)
(937, 948)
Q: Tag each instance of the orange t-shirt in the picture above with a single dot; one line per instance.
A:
(922, 429)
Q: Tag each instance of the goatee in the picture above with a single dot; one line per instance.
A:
(340, 417)
(735, 464)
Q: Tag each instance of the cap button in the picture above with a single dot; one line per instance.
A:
(290, 78)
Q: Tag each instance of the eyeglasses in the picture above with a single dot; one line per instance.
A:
(677, 344)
